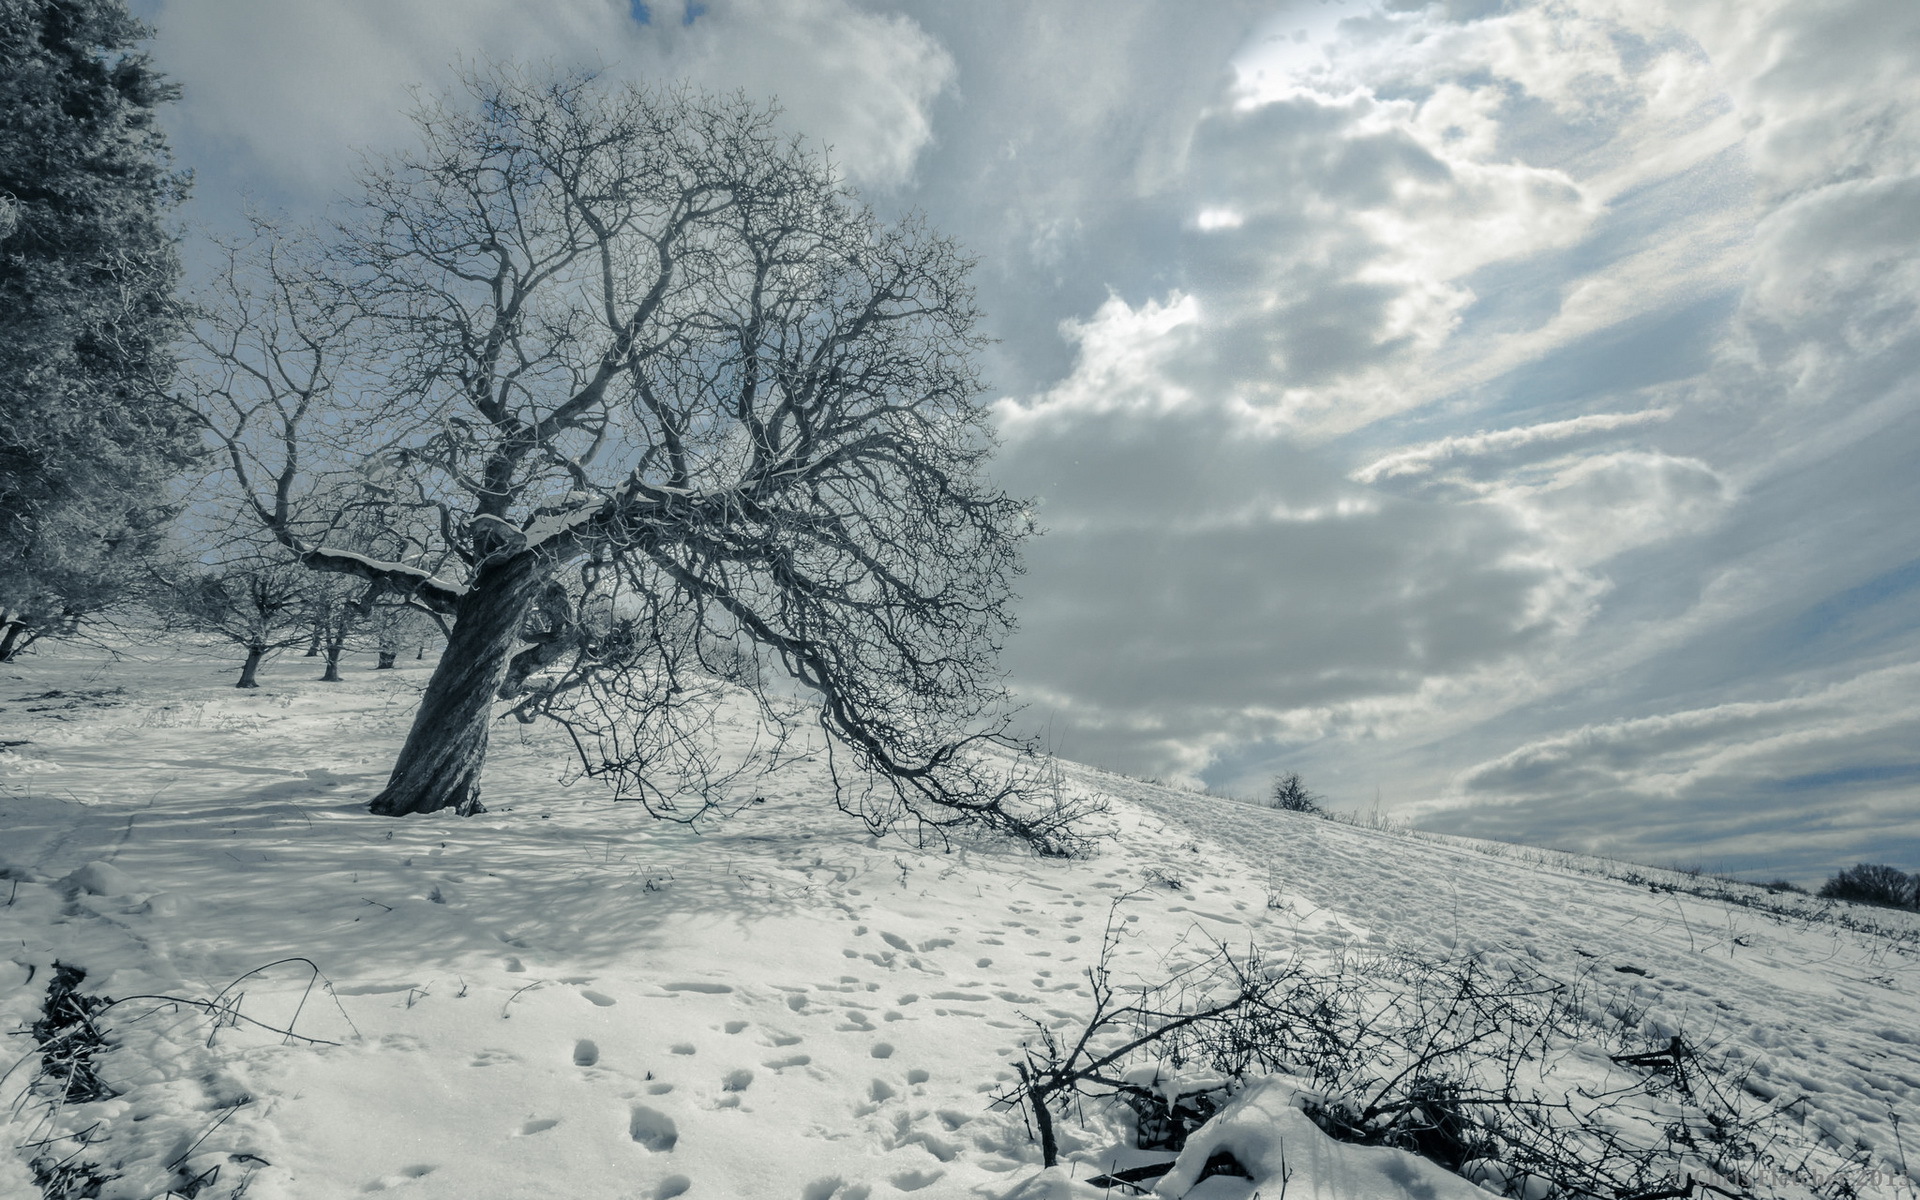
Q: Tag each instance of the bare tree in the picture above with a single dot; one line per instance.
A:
(656, 404)
(336, 609)
(1290, 793)
(393, 626)
(259, 602)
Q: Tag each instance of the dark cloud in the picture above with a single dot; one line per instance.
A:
(1198, 583)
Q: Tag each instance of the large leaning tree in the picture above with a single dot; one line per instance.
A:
(637, 397)
(88, 438)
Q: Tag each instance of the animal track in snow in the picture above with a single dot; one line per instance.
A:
(494, 1058)
(736, 1026)
(792, 1060)
(913, 1181)
(683, 1048)
(585, 1053)
(672, 1185)
(739, 1080)
(540, 1126)
(653, 1129)
(882, 1050)
(599, 999)
(402, 1176)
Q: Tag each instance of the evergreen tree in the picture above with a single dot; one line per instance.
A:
(88, 267)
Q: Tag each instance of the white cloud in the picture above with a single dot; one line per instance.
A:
(1122, 366)
(1470, 450)
(296, 91)
(1356, 223)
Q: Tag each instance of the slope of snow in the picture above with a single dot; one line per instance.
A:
(562, 997)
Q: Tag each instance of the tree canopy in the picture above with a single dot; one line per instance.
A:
(638, 394)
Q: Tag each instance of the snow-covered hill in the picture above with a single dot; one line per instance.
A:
(564, 998)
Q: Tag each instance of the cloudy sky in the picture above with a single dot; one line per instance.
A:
(1502, 412)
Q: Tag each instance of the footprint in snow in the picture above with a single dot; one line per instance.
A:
(672, 1185)
(404, 1175)
(494, 1058)
(652, 1128)
(599, 999)
(540, 1126)
(913, 1181)
(740, 1080)
(585, 1053)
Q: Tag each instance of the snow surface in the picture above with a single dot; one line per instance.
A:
(564, 998)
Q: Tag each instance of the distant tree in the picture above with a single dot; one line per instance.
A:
(339, 611)
(261, 601)
(88, 439)
(666, 395)
(1874, 883)
(395, 625)
(1290, 793)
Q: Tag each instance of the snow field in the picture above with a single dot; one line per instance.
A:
(562, 997)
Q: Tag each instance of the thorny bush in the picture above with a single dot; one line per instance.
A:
(1531, 1085)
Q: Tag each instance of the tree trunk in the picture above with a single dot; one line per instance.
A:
(332, 673)
(254, 655)
(10, 641)
(439, 767)
(313, 644)
(386, 660)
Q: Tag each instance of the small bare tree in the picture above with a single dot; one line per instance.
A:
(259, 601)
(337, 611)
(394, 625)
(653, 402)
(1290, 794)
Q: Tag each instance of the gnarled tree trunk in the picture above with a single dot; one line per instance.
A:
(386, 660)
(439, 767)
(252, 666)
